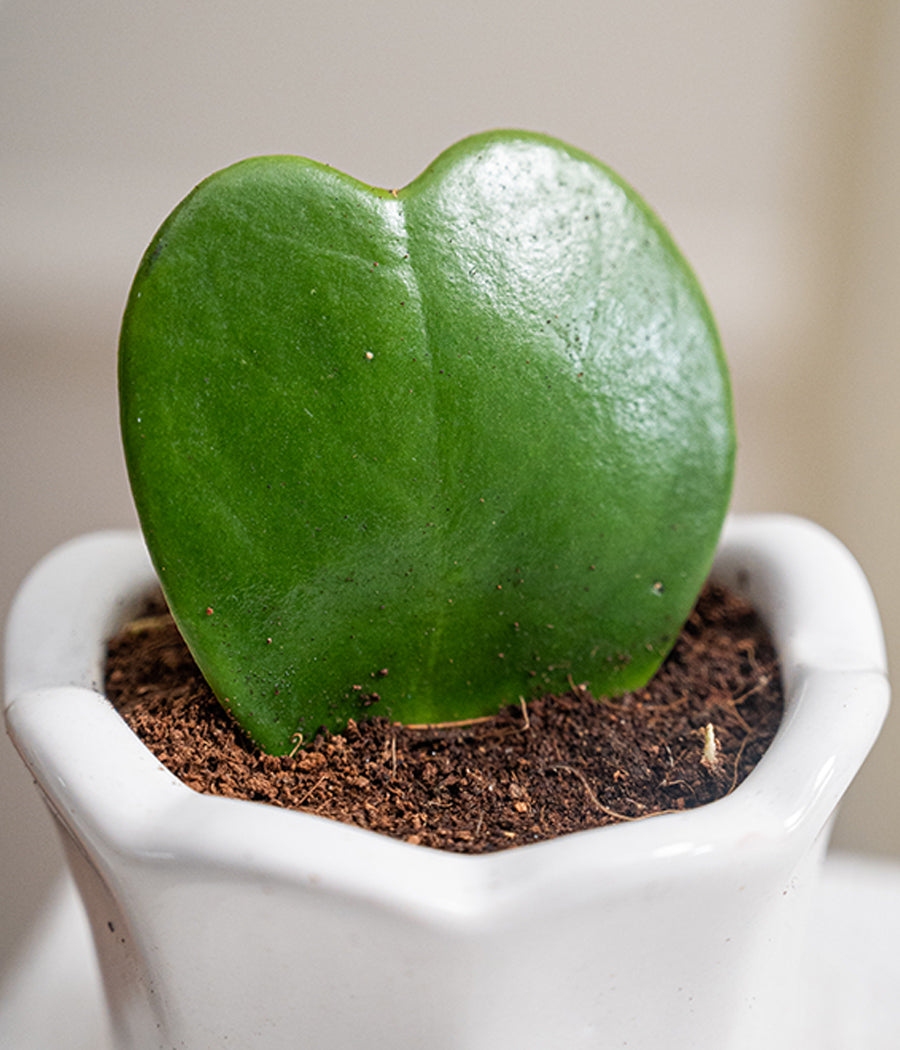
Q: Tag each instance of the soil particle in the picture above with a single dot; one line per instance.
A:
(548, 767)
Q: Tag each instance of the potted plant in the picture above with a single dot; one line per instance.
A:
(222, 922)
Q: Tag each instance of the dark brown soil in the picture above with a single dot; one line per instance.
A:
(537, 770)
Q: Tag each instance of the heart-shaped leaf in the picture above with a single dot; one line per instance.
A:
(420, 452)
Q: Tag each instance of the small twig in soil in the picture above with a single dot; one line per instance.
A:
(737, 762)
(730, 703)
(590, 792)
(761, 684)
(312, 790)
(449, 725)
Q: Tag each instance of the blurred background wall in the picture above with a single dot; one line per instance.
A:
(765, 134)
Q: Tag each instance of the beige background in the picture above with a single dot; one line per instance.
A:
(765, 133)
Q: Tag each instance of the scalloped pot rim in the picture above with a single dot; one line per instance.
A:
(807, 586)
(221, 922)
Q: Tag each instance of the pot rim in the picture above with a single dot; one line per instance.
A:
(114, 795)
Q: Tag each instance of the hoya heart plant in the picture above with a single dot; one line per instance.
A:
(422, 452)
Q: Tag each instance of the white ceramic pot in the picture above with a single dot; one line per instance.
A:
(222, 923)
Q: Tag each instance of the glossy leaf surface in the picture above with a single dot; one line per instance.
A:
(450, 445)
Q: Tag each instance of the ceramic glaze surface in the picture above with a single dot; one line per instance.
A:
(338, 937)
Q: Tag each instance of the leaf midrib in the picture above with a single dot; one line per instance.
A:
(439, 609)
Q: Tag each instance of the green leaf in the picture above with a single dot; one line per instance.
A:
(450, 445)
